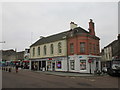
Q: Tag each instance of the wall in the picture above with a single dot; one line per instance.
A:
(55, 54)
(76, 41)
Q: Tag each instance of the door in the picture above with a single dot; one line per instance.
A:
(53, 66)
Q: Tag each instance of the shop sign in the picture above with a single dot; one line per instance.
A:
(50, 58)
(80, 56)
(90, 60)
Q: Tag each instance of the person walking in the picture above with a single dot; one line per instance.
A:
(16, 68)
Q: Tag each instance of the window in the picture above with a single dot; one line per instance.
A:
(59, 47)
(52, 48)
(45, 50)
(58, 64)
(33, 51)
(82, 47)
(82, 64)
(94, 49)
(72, 66)
(97, 49)
(90, 48)
(38, 50)
(71, 48)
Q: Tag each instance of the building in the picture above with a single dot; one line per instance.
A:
(75, 50)
(12, 55)
(111, 51)
(49, 53)
(8, 55)
(83, 49)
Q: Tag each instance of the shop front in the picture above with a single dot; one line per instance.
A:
(57, 64)
(38, 64)
(84, 63)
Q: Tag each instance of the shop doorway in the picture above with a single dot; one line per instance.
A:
(44, 64)
(53, 66)
(40, 66)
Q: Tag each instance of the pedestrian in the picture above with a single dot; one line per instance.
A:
(16, 68)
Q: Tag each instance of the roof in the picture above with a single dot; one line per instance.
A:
(59, 36)
(49, 39)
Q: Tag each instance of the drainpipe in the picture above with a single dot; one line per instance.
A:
(67, 54)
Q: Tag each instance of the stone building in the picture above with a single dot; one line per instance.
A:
(75, 50)
(111, 51)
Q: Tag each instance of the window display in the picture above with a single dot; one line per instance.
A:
(58, 64)
(82, 64)
(72, 66)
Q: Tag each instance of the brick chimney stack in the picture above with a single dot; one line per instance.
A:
(91, 27)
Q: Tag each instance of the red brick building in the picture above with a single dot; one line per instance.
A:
(83, 49)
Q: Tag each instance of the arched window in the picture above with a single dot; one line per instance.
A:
(51, 48)
(38, 50)
(33, 51)
(45, 50)
(59, 47)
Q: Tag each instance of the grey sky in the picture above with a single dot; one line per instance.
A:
(23, 23)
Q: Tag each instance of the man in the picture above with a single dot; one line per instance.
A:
(16, 67)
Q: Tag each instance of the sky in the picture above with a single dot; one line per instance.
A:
(24, 22)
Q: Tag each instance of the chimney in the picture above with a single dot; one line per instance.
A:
(91, 27)
(73, 25)
(41, 37)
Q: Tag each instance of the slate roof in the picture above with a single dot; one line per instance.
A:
(59, 36)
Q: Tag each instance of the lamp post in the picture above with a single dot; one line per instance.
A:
(2, 42)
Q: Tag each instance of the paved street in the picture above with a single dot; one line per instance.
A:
(31, 79)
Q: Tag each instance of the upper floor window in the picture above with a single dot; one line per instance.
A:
(94, 48)
(59, 47)
(45, 48)
(71, 48)
(51, 48)
(38, 50)
(90, 48)
(82, 47)
(33, 51)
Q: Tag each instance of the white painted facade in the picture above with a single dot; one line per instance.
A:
(80, 58)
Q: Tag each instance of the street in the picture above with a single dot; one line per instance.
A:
(31, 79)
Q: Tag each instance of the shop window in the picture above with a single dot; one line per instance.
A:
(58, 64)
(49, 65)
(82, 64)
(72, 65)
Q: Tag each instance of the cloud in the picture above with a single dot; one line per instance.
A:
(19, 20)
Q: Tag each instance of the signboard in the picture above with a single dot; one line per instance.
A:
(90, 60)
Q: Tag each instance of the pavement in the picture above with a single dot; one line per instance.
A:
(69, 74)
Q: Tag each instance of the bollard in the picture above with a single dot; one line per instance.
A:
(9, 69)
(6, 68)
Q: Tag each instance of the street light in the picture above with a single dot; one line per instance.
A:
(2, 42)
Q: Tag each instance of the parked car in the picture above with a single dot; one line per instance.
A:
(113, 67)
